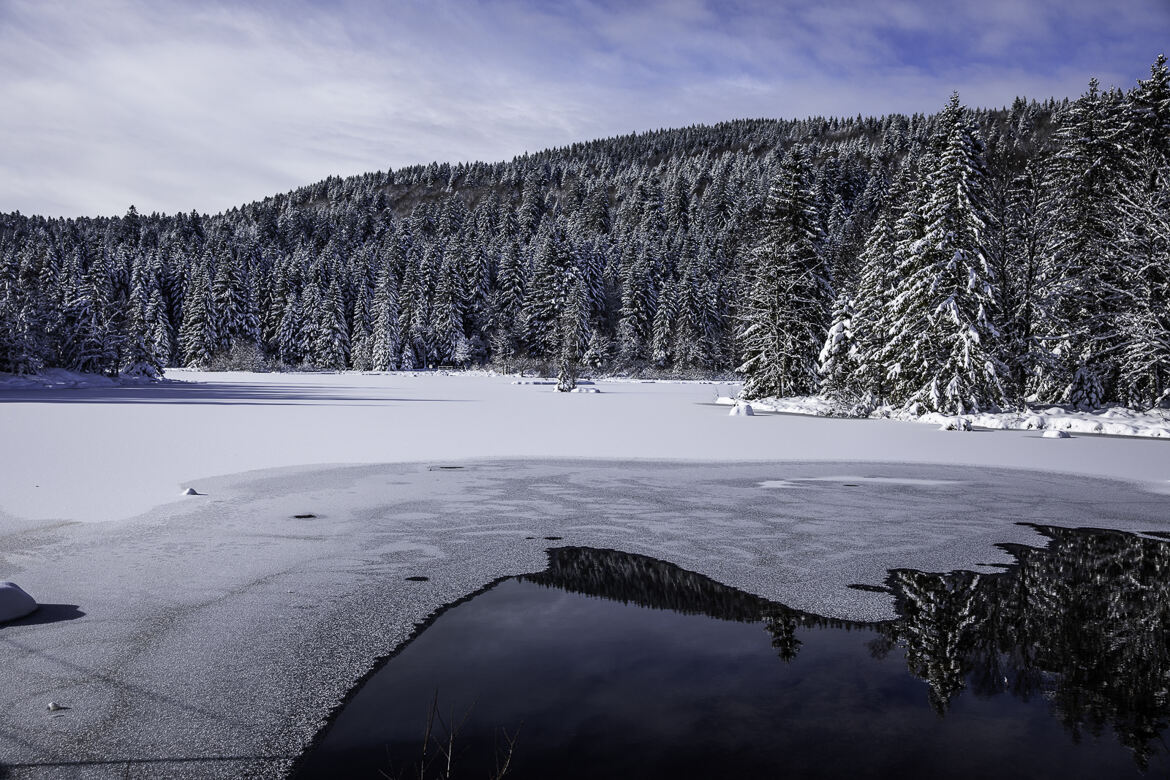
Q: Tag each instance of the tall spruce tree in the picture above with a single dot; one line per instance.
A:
(942, 354)
(1084, 269)
(1145, 222)
(785, 315)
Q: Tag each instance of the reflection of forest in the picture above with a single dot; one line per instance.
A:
(1083, 622)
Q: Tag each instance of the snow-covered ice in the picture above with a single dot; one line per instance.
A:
(102, 453)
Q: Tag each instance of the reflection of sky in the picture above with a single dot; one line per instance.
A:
(603, 689)
(173, 106)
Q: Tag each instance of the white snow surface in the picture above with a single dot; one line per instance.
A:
(1111, 421)
(98, 452)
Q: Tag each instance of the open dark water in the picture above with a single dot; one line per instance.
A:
(612, 665)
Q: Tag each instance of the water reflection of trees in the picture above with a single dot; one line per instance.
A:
(1083, 622)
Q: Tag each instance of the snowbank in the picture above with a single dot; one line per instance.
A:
(60, 379)
(1112, 421)
(14, 602)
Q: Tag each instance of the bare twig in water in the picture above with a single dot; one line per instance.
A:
(502, 767)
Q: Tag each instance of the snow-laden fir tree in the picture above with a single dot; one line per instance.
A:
(837, 362)
(784, 320)
(1085, 273)
(1145, 218)
(386, 346)
(572, 337)
(362, 338)
(663, 327)
(942, 354)
(197, 336)
(868, 322)
(1021, 291)
(554, 275)
(331, 347)
(638, 307)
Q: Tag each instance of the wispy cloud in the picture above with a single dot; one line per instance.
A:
(175, 106)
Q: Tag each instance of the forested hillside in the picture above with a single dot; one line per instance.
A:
(967, 260)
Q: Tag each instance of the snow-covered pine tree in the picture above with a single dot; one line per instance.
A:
(159, 336)
(1145, 218)
(638, 309)
(140, 358)
(662, 338)
(1030, 361)
(571, 335)
(386, 348)
(197, 336)
(1084, 268)
(837, 363)
(942, 354)
(19, 351)
(362, 339)
(784, 319)
(291, 345)
(331, 349)
(554, 275)
(447, 310)
(877, 281)
(83, 348)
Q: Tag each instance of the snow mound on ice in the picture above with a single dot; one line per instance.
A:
(14, 602)
(584, 390)
(742, 410)
(1055, 433)
(191, 492)
(955, 424)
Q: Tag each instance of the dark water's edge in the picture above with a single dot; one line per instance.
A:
(1079, 626)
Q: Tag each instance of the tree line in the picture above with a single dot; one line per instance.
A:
(962, 261)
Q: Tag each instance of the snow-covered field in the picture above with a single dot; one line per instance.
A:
(210, 635)
(105, 452)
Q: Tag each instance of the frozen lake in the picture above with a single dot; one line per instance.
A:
(212, 635)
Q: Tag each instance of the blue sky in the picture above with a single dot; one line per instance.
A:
(177, 106)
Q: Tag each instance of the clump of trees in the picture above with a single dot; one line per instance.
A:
(968, 260)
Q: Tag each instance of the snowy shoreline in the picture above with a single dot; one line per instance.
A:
(1111, 421)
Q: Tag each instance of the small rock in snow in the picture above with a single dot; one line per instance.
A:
(1053, 433)
(14, 602)
(191, 492)
(742, 410)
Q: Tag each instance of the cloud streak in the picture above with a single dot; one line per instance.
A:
(174, 106)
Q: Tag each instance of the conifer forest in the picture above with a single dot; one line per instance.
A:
(973, 259)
